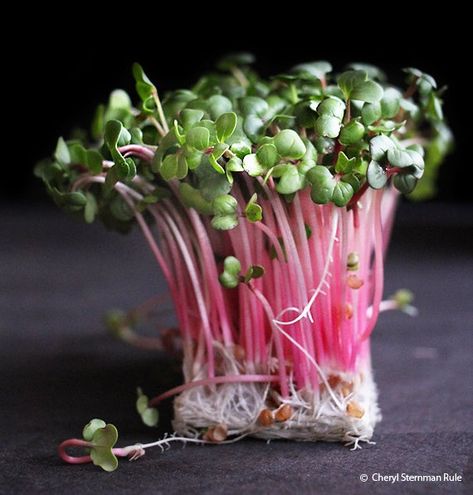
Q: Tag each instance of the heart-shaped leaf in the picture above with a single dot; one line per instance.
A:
(149, 415)
(103, 442)
(91, 427)
(289, 144)
(230, 277)
(342, 193)
(323, 184)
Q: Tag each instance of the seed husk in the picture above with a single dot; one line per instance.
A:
(265, 418)
(283, 413)
(354, 281)
(354, 410)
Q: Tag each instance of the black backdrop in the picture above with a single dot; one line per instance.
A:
(69, 66)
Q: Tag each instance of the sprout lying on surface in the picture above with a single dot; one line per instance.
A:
(268, 206)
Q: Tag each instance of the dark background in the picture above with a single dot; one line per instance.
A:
(67, 68)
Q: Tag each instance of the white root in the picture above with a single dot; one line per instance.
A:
(315, 415)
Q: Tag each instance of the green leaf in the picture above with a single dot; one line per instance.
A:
(317, 69)
(190, 117)
(116, 135)
(94, 161)
(224, 222)
(231, 265)
(216, 154)
(376, 175)
(371, 112)
(332, 106)
(192, 198)
(289, 144)
(390, 103)
(372, 71)
(254, 212)
(356, 86)
(342, 193)
(352, 133)
(235, 164)
(399, 158)
(217, 105)
(101, 453)
(290, 179)
(254, 271)
(252, 165)
(323, 184)
(144, 87)
(379, 146)
(434, 107)
(198, 138)
(91, 427)
(182, 167)
(149, 415)
(421, 77)
(225, 205)
(253, 105)
(169, 167)
(417, 164)
(404, 183)
(368, 91)
(254, 127)
(344, 165)
(225, 208)
(349, 80)
(210, 183)
(226, 125)
(61, 154)
(230, 277)
(267, 155)
(328, 126)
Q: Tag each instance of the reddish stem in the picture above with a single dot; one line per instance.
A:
(73, 442)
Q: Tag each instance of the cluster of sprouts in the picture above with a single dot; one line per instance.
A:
(267, 205)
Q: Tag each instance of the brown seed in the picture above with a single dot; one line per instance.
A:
(283, 413)
(217, 433)
(346, 388)
(353, 409)
(348, 311)
(354, 281)
(265, 418)
(333, 380)
(239, 353)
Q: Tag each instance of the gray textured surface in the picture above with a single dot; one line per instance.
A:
(58, 368)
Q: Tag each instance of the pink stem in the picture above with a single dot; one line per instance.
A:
(74, 442)
(378, 278)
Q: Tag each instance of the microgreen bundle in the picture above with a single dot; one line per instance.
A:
(267, 205)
